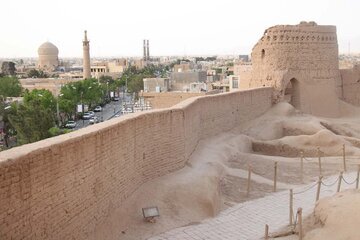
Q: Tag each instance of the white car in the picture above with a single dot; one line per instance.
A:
(91, 113)
(70, 124)
(86, 116)
(98, 109)
(93, 120)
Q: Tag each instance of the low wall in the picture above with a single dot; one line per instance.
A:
(62, 187)
(168, 99)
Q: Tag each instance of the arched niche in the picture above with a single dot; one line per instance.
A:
(292, 93)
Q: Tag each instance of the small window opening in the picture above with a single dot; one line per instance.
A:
(262, 53)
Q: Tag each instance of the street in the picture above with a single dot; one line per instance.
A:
(108, 111)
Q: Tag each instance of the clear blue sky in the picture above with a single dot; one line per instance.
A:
(116, 28)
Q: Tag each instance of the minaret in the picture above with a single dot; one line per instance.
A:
(86, 57)
(144, 47)
(147, 51)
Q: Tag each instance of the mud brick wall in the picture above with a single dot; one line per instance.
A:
(62, 187)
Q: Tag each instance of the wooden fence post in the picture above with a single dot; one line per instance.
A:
(291, 213)
(344, 160)
(299, 212)
(275, 175)
(339, 182)
(302, 166)
(266, 232)
(318, 188)
(357, 178)
(319, 156)
(248, 182)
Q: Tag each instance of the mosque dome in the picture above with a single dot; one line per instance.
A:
(48, 48)
(48, 56)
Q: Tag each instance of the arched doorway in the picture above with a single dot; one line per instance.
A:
(292, 93)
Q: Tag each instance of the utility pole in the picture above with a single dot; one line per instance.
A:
(57, 112)
(57, 109)
(82, 108)
(126, 85)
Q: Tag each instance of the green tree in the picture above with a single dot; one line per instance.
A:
(33, 73)
(136, 83)
(41, 96)
(8, 68)
(32, 122)
(55, 131)
(7, 128)
(68, 100)
(92, 92)
(34, 117)
(87, 91)
(10, 87)
(218, 70)
(106, 79)
(111, 84)
(134, 77)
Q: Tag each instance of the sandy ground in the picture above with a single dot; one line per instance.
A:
(336, 217)
(215, 176)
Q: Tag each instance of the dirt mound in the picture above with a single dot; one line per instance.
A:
(291, 146)
(337, 130)
(335, 217)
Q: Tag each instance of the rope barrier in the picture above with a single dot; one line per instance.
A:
(330, 185)
(257, 173)
(309, 160)
(315, 184)
(340, 150)
(332, 157)
(314, 160)
(321, 154)
(351, 183)
(335, 158)
(353, 160)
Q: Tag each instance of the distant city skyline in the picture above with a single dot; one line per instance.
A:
(117, 28)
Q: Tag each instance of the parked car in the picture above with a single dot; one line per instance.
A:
(70, 124)
(92, 114)
(93, 120)
(86, 116)
(126, 110)
(98, 109)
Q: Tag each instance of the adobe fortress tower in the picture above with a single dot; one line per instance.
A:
(301, 63)
(86, 57)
